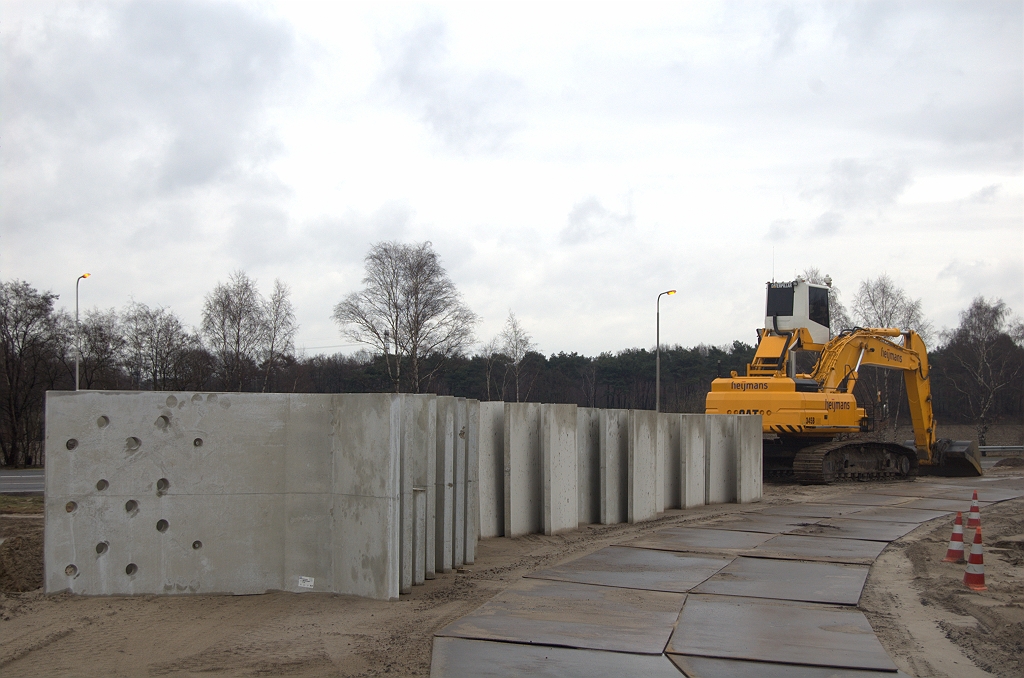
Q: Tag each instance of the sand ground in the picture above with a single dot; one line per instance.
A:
(930, 624)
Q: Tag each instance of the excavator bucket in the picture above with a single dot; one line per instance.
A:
(954, 458)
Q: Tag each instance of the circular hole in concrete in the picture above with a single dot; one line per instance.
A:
(131, 505)
(212, 398)
(197, 545)
(131, 569)
(171, 401)
(71, 444)
(71, 570)
(162, 485)
(196, 399)
(101, 548)
(70, 507)
(103, 421)
(163, 421)
(132, 443)
(162, 525)
(198, 442)
(102, 484)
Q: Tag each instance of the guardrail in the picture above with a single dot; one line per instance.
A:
(1001, 450)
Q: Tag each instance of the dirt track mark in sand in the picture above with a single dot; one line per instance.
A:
(933, 625)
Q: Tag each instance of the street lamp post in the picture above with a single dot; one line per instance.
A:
(657, 353)
(78, 334)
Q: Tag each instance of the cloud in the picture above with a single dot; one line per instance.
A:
(853, 184)
(828, 223)
(780, 230)
(787, 23)
(999, 279)
(470, 110)
(109, 105)
(987, 194)
(589, 220)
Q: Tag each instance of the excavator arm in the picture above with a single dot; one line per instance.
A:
(838, 369)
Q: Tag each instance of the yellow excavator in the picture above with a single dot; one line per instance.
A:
(814, 429)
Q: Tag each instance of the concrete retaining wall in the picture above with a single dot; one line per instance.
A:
(670, 461)
(613, 439)
(588, 464)
(558, 468)
(642, 476)
(231, 493)
(523, 491)
(693, 448)
(491, 468)
(363, 494)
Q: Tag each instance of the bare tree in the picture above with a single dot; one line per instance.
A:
(29, 348)
(516, 343)
(988, 350)
(103, 346)
(158, 347)
(882, 303)
(234, 326)
(409, 308)
(491, 353)
(279, 329)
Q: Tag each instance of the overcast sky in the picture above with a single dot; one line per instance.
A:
(568, 161)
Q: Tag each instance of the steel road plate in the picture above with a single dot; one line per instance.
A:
(536, 611)
(709, 667)
(699, 540)
(950, 491)
(868, 499)
(850, 528)
(822, 549)
(834, 583)
(898, 514)
(752, 522)
(777, 631)
(462, 658)
(634, 568)
(943, 504)
(812, 510)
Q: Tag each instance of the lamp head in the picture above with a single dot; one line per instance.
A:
(85, 275)
(670, 292)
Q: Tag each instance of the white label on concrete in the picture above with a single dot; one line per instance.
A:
(305, 582)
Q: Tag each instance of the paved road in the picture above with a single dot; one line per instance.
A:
(22, 481)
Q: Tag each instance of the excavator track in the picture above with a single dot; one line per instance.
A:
(854, 460)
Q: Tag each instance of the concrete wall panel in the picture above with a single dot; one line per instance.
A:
(558, 468)
(491, 469)
(671, 473)
(223, 493)
(588, 464)
(367, 454)
(419, 437)
(749, 459)
(459, 490)
(472, 479)
(642, 478)
(614, 452)
(692, 440)
(523, 495)
(444, 484)
(721, 458)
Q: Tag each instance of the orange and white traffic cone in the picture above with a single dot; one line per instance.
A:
(955, 552)
(974, 517)
(974, 577)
